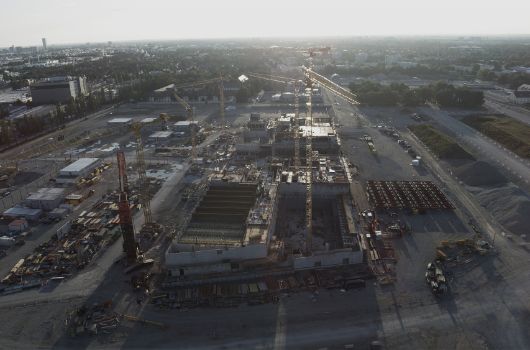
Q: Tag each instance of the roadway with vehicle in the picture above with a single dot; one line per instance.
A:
(520, 113)
(513, 164)
(499, 287)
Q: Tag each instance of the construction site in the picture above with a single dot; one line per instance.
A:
(267, 209)
(300, 203)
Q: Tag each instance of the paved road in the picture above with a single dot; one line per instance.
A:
(519, 168)
(70, 129)
(510, 110)
(468, 310)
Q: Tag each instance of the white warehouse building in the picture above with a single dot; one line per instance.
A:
(81, 167)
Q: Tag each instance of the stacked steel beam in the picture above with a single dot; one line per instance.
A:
(419, 195)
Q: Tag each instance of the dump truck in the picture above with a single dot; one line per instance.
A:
(435, 278)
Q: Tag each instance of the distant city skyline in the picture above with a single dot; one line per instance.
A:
(79, 21)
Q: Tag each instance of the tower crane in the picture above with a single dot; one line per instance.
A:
(222, 100)
(124, 211)
(309, 149)
(309, 162)
(143, 182)
(311, 79)
(189, 112)
(164, 118)
(332, 87)
(323, 81)
(220, 84)
(297, 87)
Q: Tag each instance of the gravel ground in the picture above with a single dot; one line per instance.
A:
(488, 309)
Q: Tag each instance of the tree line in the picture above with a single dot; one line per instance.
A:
(22, 128)
(442, 94)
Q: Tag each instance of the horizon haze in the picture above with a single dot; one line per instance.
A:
(61, 23)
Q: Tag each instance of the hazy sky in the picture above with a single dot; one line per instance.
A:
(25, 22)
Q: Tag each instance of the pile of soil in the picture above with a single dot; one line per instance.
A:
(509, 205)
(480, 174)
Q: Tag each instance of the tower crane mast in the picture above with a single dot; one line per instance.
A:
(220, 84)
(309, 160)
(189, 112)
(311, 79)
(297, 87)
(222, 100)
(309, 174)
(143, 182)
(296, 126)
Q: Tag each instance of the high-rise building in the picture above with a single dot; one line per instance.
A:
(44, 44)
(58, 89)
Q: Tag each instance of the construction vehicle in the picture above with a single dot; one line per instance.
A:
(451, 249)
(8, 169)
(164, 118)
(435, 278)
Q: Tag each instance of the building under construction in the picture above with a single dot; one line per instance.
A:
(233, 222)
(274, 137)
(251, 217)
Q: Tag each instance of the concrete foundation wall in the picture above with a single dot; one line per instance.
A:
(323, 147)
(200, 269)
(215, 256)
(251, 135)
(66, 180)
(319, 189)
(327, 259)
(248, 148)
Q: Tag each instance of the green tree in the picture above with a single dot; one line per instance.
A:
(411, 98)
(242, 95)
(4, 111)
(486, 74)
(6, 136)
(71, 108)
